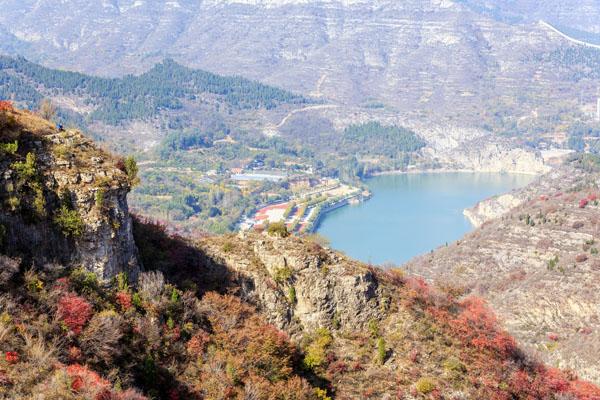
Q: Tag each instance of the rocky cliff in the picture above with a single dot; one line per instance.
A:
(328, 288)
(63, 200)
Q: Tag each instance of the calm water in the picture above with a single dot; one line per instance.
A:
(412, 214)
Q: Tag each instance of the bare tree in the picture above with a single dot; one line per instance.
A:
(47, 109)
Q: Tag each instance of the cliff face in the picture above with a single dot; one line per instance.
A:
(300, 287)
(63, 199)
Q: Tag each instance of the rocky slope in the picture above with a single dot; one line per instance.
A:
(536, 263)
(63, 199)
(200, 322)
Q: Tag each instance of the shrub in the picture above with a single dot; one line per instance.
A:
(283, 274)
(381, 351)
(425, 385)
(100, 195)
(581, 258)
(552, 263)
(84, 280)
(11, 357)
(69, 222)
(124, 300)
(292, 295)
(278, 229)
(315, 353)
(74, 312)
(9, 148)
(6, 105)
(26, 170)
(100, 339)
(131, 169)
(373, 327)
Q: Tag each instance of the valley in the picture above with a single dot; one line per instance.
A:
(299, 200)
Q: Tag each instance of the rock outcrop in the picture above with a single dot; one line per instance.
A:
(300, 287)
(63, 199)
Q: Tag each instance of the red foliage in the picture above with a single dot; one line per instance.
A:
(11, 357)
(124, 300)
(592, 197)
(337, 367)
(553, 336)
(6, 105)
(197, 344)
(83, 378)
(74, 311)
(583, 203)
(477, 325)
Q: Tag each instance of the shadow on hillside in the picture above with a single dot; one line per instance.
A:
(187, 267)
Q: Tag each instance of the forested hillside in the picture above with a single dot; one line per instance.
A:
(164, 87)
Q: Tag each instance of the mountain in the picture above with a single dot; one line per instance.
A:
(535, 258)
(262, 316)
(429, 60)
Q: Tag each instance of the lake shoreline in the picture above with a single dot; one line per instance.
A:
(447, 171)
(428, 213)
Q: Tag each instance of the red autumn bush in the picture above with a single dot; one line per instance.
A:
(477, 325)
(583, 203)
(197, 344)
(124, 300)
(6, 105)
(83, 379)
(11, 357)
(74, 311)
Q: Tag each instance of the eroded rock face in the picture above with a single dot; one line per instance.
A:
(328, 289)
(68, 173)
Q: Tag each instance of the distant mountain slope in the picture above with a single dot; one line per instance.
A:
(424, 58)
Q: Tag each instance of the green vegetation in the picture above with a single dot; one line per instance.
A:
(132, 169)
(552, 263)
(99, 198)
(167, 86)
(283, 274)
(381, 350)
(69, 221)
(291, 294)
(315, 351)
(425, 385)
(374, 138)
(9, 148)
(26, 170)
(278, 229)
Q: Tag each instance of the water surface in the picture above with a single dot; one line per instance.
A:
(412, 214)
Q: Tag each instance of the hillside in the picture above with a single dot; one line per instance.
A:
(431, 60)
(260, 316)
(535, 259)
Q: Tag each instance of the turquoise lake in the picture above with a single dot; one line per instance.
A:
(412, 214)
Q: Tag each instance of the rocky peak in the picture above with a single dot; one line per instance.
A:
(63, 200)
